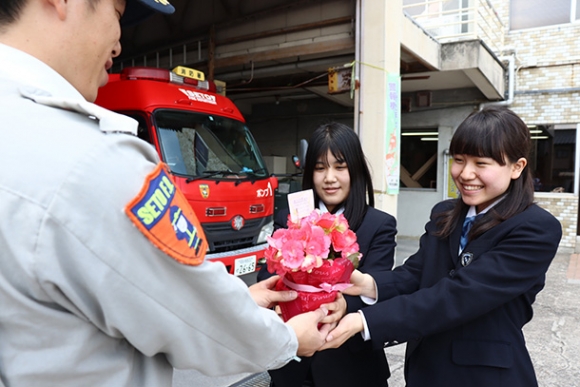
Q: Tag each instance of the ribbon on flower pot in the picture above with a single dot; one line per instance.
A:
(323, 287)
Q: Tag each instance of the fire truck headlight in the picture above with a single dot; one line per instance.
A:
(266, 231)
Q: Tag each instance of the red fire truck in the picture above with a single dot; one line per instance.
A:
(214, 159)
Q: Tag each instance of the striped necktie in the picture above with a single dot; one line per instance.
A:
(465, 231)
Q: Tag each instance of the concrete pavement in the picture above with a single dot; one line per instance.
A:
(553, 335)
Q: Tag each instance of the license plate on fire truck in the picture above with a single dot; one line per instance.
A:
(245, 265)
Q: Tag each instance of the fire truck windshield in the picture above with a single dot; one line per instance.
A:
(197, 144)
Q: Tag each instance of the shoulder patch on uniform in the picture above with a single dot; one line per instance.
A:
(161, 212)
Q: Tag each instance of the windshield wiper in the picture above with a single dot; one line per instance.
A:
(253, 172)
(207, 174)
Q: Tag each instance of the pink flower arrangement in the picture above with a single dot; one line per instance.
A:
(305, 244)
(314, 256)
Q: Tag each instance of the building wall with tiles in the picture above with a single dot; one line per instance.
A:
(565, 208)
(547, 88)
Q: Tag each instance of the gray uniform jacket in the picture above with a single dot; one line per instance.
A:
(86, 299)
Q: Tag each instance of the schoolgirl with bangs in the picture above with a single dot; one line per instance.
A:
(488, 135)
(336, 171)
(461, 301)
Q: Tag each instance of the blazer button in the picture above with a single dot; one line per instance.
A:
(452, 273)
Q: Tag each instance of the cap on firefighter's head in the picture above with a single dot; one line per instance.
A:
(138, 10)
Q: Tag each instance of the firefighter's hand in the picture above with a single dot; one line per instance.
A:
(350, 325)
(362, 285)
(336, 309)
(310, 337)
(264, 295)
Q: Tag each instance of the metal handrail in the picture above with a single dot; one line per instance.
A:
(450, 21)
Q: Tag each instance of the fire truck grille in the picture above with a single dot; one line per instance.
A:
(222, 237)
(232, 244)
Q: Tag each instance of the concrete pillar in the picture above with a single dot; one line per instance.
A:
(378, 55)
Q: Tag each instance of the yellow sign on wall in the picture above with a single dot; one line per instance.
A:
(452, 191)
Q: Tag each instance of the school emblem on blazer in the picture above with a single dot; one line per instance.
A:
(204, 190)
(466, 258)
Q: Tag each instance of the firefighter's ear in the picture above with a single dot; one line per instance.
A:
(58, 7)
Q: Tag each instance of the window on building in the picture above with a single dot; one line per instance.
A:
(439, 17)
(553, 157)
(419, 158)
(536, 13)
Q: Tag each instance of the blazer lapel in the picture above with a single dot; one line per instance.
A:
(454, 239)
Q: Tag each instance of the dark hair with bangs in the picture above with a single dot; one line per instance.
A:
(500, 134)
(345, 146)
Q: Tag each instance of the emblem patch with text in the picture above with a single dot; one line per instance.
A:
(161, 212)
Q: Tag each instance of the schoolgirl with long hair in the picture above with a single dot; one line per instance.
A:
(337, 172)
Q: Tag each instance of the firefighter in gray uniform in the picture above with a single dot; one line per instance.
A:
(96, 286)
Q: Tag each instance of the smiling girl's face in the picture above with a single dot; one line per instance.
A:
(331, 181)
(482, 180)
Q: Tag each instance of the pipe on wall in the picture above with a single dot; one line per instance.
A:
(511, 59)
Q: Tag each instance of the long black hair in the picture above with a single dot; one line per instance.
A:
(345, 146)
(500, 134)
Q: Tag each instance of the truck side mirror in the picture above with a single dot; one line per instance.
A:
(300, 159)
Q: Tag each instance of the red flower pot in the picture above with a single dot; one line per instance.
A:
(331, 272)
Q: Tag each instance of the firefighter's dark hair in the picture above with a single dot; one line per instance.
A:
(10, 11)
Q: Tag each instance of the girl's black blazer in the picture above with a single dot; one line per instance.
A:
(462, 314)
